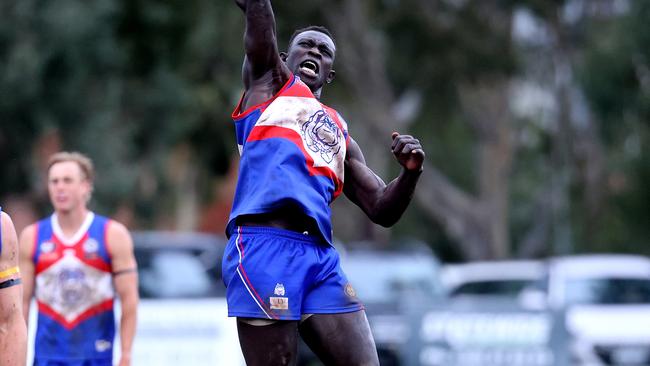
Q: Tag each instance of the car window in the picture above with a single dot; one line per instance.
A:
(608, 291)
(494, 287)
(177, 273)
(393, 279)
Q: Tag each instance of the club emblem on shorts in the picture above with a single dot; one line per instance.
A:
(279, 302)
(279, 289)
(349, 290)
(322, 135)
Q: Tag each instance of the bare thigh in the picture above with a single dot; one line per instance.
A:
(274, 344)
(340, 339)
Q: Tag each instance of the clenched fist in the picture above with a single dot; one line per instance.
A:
(408, 151)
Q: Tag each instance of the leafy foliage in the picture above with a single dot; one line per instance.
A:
(146, 87)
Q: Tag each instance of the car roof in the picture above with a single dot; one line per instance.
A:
(601, 265)
(454, 275)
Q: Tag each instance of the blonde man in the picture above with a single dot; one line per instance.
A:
(74, 262)
(13, 333)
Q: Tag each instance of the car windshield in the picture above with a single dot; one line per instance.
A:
(178, 273)
(493, 287)
(391, 279)
(608, 291)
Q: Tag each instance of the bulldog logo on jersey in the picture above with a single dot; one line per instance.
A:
(322, 135)
(72, 287)
(279, 289)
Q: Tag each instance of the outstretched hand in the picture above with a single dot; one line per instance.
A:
(408, 151)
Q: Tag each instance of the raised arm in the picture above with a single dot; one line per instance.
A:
(383, 203)
(13, 332)
(125, 279)
(260, 42)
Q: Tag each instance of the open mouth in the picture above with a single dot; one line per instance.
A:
(309, 67)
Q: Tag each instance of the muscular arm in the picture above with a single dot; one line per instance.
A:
(125, 278)
(383, 203)
(13, 332)
(264, 73)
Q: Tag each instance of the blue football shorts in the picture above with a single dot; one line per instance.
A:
(278, 274)
(75, 362)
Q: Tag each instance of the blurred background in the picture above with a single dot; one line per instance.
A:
(534, 116)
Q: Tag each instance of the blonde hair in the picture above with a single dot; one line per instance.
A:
(84, 162)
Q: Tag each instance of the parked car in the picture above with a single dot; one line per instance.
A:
(390, 283)
(483, 324)
(493, 278)
(607, 304)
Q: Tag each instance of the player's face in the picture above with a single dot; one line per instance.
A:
(310, 56)
(68, 187)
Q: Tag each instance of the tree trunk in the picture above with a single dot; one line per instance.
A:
(478, 224)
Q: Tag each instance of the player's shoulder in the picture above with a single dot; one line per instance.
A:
(259, 93)
(30, 229)
(116, 228)
(27, 239)
(118, 239)
(8, 231)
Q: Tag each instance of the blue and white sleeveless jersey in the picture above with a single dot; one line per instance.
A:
(292, 153)
(74, 292)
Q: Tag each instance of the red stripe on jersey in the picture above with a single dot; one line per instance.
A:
(97, 309)
(46, 260)
(299, 89)
(95, 261)
(266, 132)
